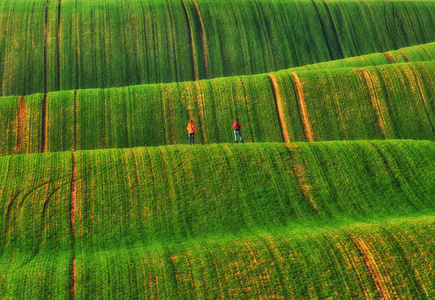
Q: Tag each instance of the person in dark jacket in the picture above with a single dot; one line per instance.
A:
(191, 130)
(237, 127)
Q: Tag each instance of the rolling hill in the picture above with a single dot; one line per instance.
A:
(332, 196)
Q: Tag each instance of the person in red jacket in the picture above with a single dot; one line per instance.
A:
(191, 130)
(237, 127)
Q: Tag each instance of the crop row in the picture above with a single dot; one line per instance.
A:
(120, 196)
(379, 260)
(384, 102)
(277, 220)
(63, 45)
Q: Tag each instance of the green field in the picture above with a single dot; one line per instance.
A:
(332, 195)
(64, 45)
(177, 222)
(393, 101)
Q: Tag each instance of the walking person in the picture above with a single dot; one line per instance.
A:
(237, 127)
(191, 130)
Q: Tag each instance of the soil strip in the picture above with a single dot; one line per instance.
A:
(303, 107)
(302, 180)
(74, 276)
(375, 103)
(388, 58)
(371, 264)
(73, 196)
(279, 108)
(404, 56)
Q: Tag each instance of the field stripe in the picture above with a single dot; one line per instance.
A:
(204, 40)
(199, 96)
(45, 48)
(404, 55)
(73, 196)
(247, 108)
(305, 120)
(353, 264)
(334, 27)
(278, 104)
(73, 211)
(58, 43)
(75, 120)
(420, 89)
(173, 40)
(387, 57)
(375, 103)
(77, 46)
(302, 181)
(195, 70)
(74, 281)
(430, 58)
(323, 30)
(44, 124)
(371, 264)
(20, 123)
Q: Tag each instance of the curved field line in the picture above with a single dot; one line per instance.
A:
(20, 123)
(247, 108)
(323, 29)
(195, 71)
(430, 58)
(45, 48)
(420, 89)
(200, 104)
(204, 40)
(73, 195)
(75, 120)
(302, 181)
(375, 102)
(387, 57)
(58, 43)
(77, 51)
(44, 124)
(74, 281)
(353, 265)
(278, 104)
(334, 29)
(371, 264)
(398, 237)
(173, 40)
(303, 107)
(404, 55)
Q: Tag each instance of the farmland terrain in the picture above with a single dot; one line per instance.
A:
(332, 195)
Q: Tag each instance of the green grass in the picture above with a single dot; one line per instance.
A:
(100, 44)
(393, 101)
(120, 207)
(339, 215)
(125, 195)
